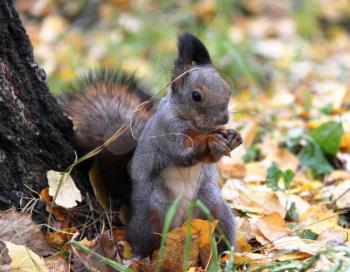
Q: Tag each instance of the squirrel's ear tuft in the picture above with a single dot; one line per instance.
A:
(191, 49)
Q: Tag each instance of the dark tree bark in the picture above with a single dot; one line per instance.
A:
(34, 133)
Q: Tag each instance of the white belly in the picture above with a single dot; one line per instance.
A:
(184, 182)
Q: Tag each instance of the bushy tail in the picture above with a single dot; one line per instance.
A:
(100, 103)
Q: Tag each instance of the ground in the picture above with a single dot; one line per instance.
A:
(288, 65)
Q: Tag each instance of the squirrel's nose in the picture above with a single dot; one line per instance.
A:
(222, 120)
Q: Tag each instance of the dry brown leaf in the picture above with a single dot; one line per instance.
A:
(333, 237)
(59, 239)
(345, 142)
(251, 198)
(60, 213)
(57, 263)
(174, 251)
(19, 228)
(173, 256)
(232, 170)
(272, 226)
(103, 245)
(341, 193)
(204, 230)
(293, 256)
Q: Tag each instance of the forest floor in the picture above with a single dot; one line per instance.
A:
(289, 184)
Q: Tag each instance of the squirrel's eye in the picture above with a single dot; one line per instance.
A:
(196, 96)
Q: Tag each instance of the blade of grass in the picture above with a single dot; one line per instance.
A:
(102, 259)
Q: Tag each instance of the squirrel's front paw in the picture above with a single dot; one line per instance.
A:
(219, 146)
(233, 138)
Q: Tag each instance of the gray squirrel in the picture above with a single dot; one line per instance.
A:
(176, 146)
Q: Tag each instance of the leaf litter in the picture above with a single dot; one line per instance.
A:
(289, 184)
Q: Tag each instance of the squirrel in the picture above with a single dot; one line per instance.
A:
(176, 145)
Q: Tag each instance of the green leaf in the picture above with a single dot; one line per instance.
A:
(307, 234)
(292, 214)
(328, 137)
(251, 154)
(273, 176)
(312, 156)
(287, 178)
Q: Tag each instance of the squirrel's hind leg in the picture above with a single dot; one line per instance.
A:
(209, 194)
(141, 234)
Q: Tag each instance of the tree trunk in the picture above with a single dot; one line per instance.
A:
(34, 133)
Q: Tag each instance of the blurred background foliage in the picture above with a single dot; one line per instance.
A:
(258, 45)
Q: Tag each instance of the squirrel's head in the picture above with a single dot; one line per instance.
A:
(201, 95)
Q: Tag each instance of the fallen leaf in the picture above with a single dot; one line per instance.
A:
(241, 243)
(204, 230)
(24, 259)
(59, 212)
(67, 193)
(319, 219)
(341, 193)
(105, 246)
(173, 256)
(252, 199)
(293, 256)
(345, 142)
(19, 228)
(232, 170)
(272, 226)
(57, 263)
(333, 237)
(60, 238)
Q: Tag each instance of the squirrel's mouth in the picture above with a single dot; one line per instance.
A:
(205, 128)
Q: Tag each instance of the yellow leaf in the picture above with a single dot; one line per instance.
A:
(241, 244)
(313, 124)
(97, 184)
(272, 226)
(202, 229)
(345, 142)
(67, 193)
(318, 219)
(23, 259)
(293, 256)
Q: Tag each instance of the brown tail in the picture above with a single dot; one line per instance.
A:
(99, 104)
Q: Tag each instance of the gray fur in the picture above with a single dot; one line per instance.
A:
(163, 148)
